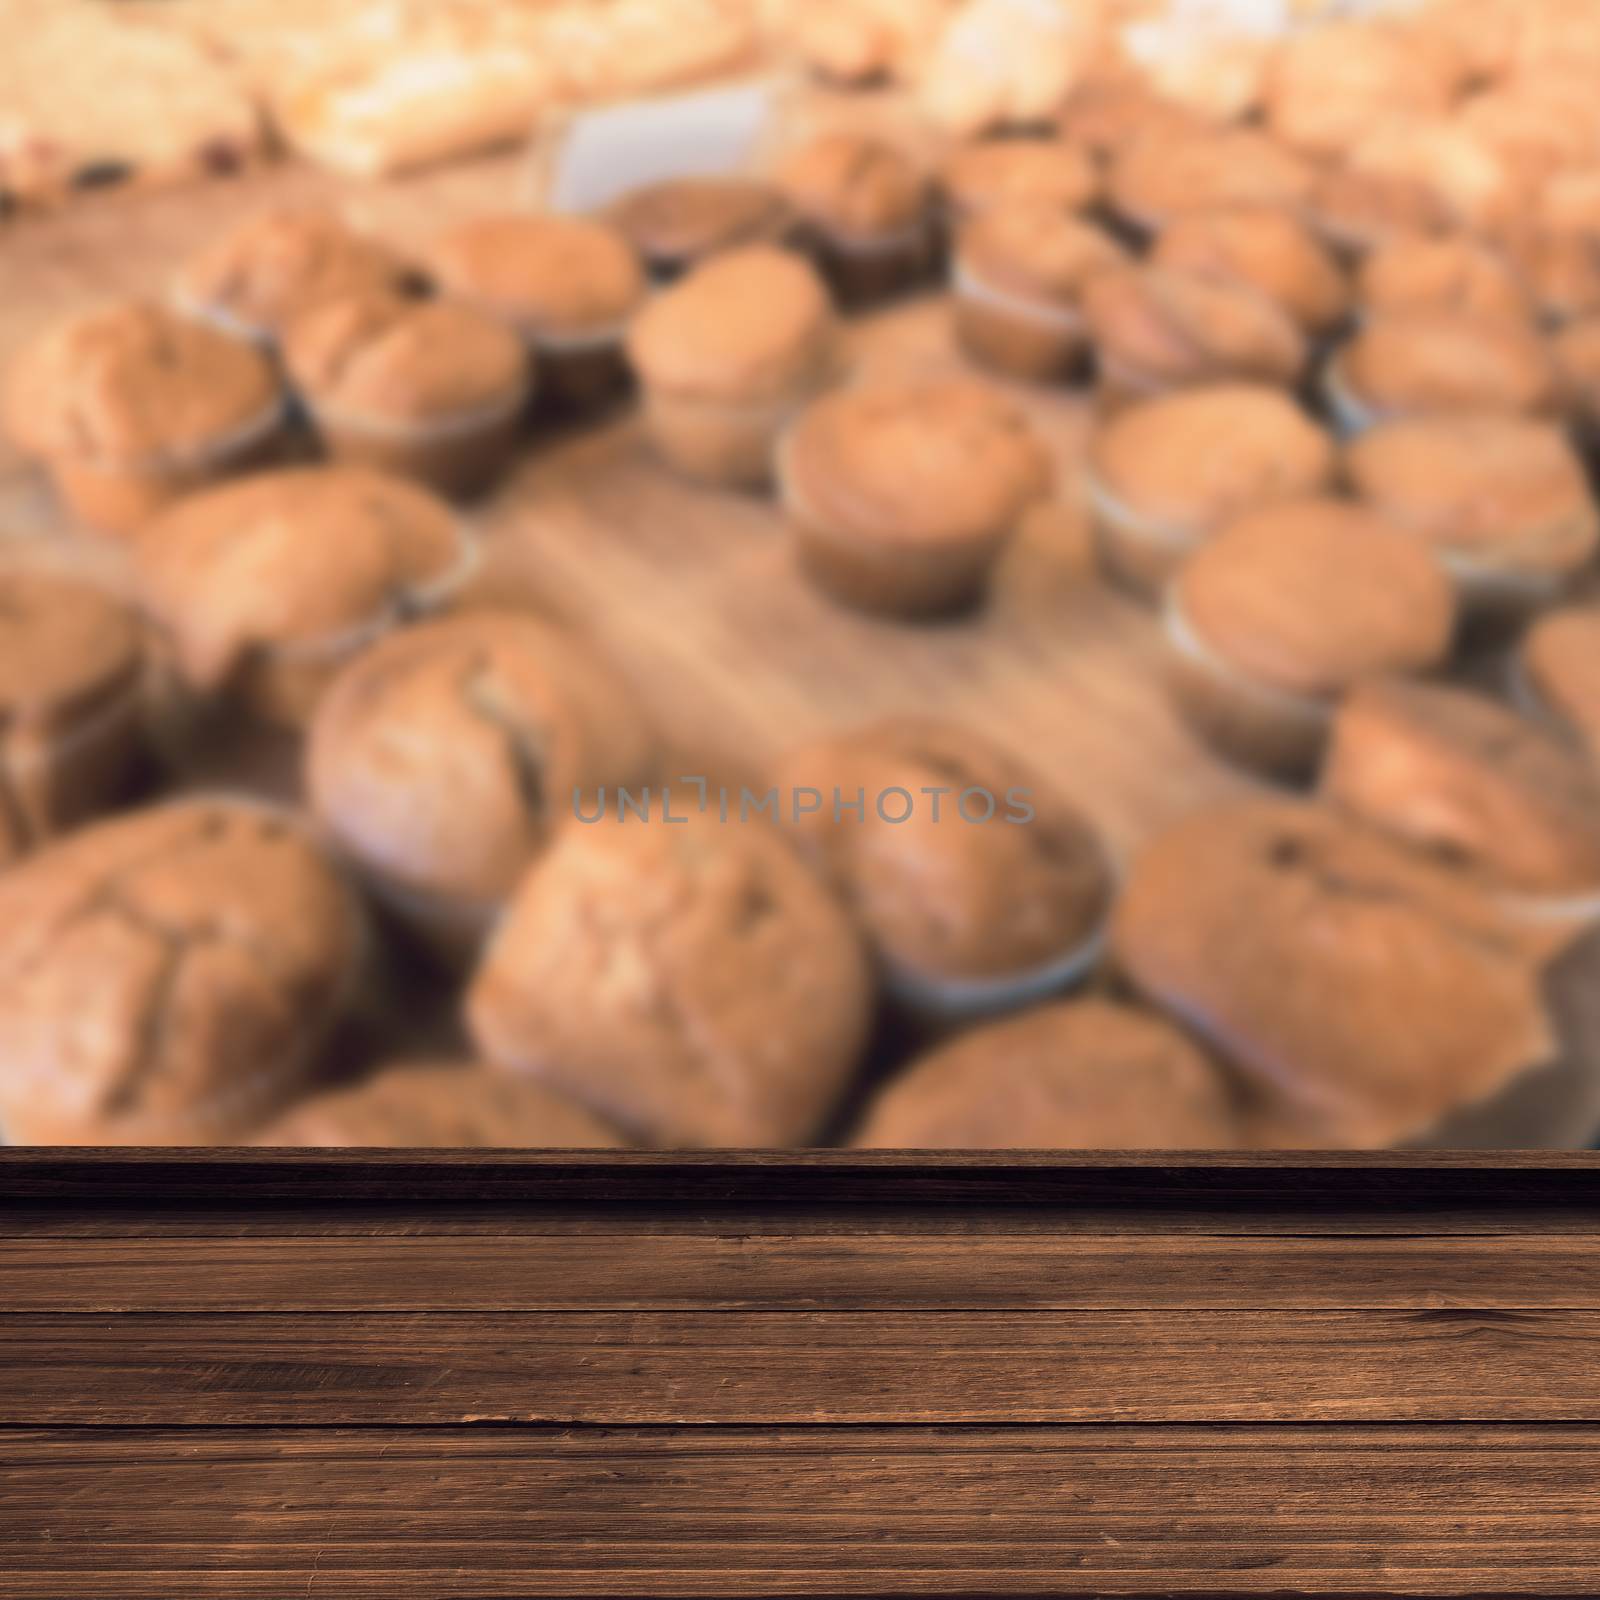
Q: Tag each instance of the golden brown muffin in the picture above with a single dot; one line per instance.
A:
(439, 1105)
(1557, 673)
(261, 274)
(1502, 501)
(1441, 363)
(1084, 1075)
(1432, 272)
(71, 708)
(693, 984)
(1470, 782)
(1577, 349)
(1561, 268)
(1164, 474)
(1286, 610)
(725, 358)
(903, 494)
(978, 886)
(1267, 250)
(1161, 175)
(444, 759)
(132, 405)
(1001, 171)
(680, 222)
(260, 589)
(430, 389)
(1110, 110)
(1467, 176)
(1156, 330)
(1367, 993)
(567, 284)
(1358, 211)
(1019, 276)
(865, 212)
(169, 977)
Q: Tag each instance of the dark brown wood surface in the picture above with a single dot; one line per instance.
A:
(495, 1375)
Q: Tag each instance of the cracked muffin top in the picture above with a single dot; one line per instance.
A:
(390, 357)
(1079, 1075)
(439, 1105)
(1167, 172)
(679, 221)
(1163, 328)
(1009, 171)
(1442, 272)
(1471, 782)
(446, 756)
(135, 382)
(298, 557)
(1362, 988)
(851, 183)
(1022, 884)
(271, 268)
(694, 984)
(1036, 251)
(1358, 211)
(1197, 458)
(169, 976)
(64, 645)
(545, 274)
(923, 462)
(748, 324)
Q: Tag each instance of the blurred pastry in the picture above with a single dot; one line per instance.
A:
(903, 494)
(1577, 349)
(1084, 1075)
(1466, 175)
(1161, 175)
(1557, 673)
(979, 888)
(1285, 611)
(1164, 474)
(1357, 211)
(727, 356)
(169, 977)
(1050, 172)
(1441, 272)
(693, 984)
(429, 389)
(677, 223)
(1560, 267)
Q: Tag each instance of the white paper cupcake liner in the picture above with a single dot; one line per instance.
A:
(575, 341)
(222, 319)
(239, 441)
(1109, 507)
(959, 998)
(967, 285)
(478, 420)
(915, 237)
(104, 720)
(1351, 417)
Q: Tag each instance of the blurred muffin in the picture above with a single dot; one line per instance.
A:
(1450, 273)
(1476, 786)
(1369, 996)
(860, 42)
(1165, 474)
(1430, 363)
(439, 1105)
(1557, 673)
(1084, 1075)
(727, 356)
(428, 389)
(1476, 187)
(71, 704)
(132, 405)
(1156, 330)
(679, 222)
(259, 590)
(1018, 280)
(694, 984)
(1503, 502)
(979, 888)
(864, 211)
(902, 495)
(1561, 269)
(567, 284)
(1285, 611)
(1270, 251)
(1108, 112)
(169, 977)
(1357, 211)
(444, 759)
(263, 272)
(1012, 171)
(1162, 175)
(1577, 349)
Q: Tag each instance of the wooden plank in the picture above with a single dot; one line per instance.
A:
(902, 1511)
(762, 1368)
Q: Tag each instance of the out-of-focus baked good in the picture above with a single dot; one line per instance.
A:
(1440, 272)
(1286, 610)
(1083, 1075)
(1557, 673)
(1560, 267)
(860, 42)
(1161, 175)
(1357, 211)
(445, 759)
(902, 494)
(1472, 783)
(429, 389)
(169, 977)
(131, 406)
(693, 984)
(1018, 278)
(439, 1105)
(1577, 351)
(727, 356)
(1051, 172)
(259, 590)
(1109, 111)
(1464, 172)
(979, 888)
(1503, 502)
(677, 223)
(1166, 473)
